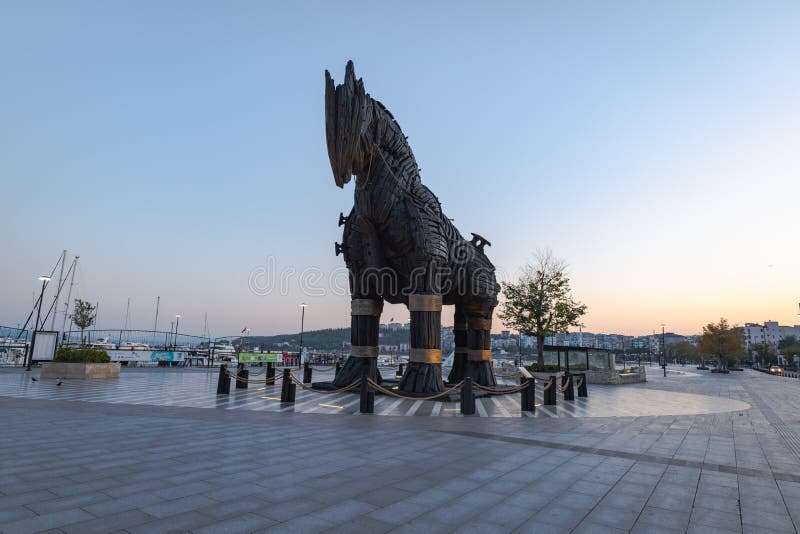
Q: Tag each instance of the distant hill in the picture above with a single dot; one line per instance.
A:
(329, 339)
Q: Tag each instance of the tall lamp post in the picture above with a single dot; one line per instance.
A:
(663, 350)
(44, 280)
(302, 324)
(177, 322)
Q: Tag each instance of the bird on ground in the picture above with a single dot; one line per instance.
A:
(34, 379)
(59, 382)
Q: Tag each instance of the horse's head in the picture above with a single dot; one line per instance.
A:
(348, 115)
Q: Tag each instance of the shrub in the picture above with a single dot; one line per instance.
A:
(68, 354)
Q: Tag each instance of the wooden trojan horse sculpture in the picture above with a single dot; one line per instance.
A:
(399, 247)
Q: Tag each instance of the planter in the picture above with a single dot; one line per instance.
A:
(80, 370)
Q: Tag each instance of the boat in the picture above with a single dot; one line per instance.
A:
(129, 345)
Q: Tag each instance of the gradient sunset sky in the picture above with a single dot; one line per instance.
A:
(179, 149)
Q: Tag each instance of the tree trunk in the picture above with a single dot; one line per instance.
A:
(540, 352)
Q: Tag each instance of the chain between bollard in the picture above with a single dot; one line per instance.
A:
(356, 383)
(248, 381)
(391, 393)
(492, 391)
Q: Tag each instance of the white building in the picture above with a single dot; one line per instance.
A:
(770, 332)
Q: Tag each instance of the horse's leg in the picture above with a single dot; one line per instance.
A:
(365, 314)
(479, 347)
(460, 353)
(424, 372)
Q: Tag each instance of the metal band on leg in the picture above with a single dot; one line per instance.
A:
(428, 303)
(425, 355)
(363, 352)
(365, 307)
(476, 355)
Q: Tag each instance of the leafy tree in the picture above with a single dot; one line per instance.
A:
(83, 316)
(787, 342)
(683, 350)
(764, 352)
(721, 340)
(540, 304)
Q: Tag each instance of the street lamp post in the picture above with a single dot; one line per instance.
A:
(663, 350)
(44, 280)
(302, 324)
(177, 322)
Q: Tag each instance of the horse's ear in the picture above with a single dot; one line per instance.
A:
(350, 73)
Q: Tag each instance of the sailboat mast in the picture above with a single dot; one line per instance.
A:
(58, 293)
(155, 325)
(69, 296)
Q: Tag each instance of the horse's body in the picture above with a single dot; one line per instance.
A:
(399, 246)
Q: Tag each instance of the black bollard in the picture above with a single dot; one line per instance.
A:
(288, 387)
(399, 370)
(338, 368)
(569, 392)
(306, 373)
(270, 374)
(367, 404)
(224, 382)
(583, 391)
(241, 373)
(467, 398)
(550, 392)
(528, 395)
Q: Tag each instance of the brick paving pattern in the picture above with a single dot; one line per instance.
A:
(72, 461)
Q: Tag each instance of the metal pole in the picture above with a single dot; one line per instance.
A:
(177, 322)
(302, 324)
(155, 324)
(36, 324)
(60, 279)
(69, 297)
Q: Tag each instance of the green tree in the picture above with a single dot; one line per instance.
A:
(721, 340)
(540, 303)
(83, 316)
(683, 350)
(764, 352)
(788, 341)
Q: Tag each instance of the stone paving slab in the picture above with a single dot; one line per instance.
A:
(157, 468)
(197, 388)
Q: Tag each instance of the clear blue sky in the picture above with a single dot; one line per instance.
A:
(175, 146)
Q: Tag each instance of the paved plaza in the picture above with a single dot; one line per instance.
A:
(158, 451)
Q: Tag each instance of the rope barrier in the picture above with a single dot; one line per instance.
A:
(547, 386)
(322, 391)
(493, 391)
(248, 381)
(579, 382)
(565, 387)
(385, 391)
(512, 375)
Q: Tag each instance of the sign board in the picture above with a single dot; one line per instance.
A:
(259, 357)
(44, 345)
(146, 355)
